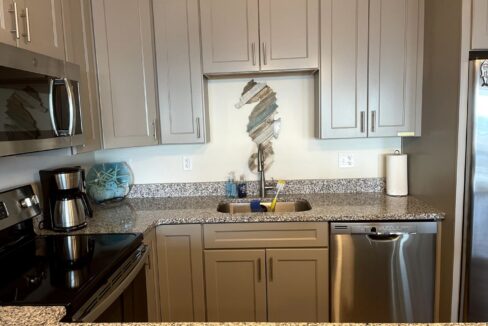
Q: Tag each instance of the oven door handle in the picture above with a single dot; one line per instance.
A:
(51, 107)
(107, 299)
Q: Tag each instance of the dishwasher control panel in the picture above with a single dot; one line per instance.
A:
(384, 228)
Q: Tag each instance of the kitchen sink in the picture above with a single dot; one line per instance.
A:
(281, 207)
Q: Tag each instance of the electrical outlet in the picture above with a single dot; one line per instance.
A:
(346, 160)
(187, 163)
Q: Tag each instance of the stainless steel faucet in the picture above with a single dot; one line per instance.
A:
(262, 180)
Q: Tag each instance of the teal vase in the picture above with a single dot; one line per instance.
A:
(109, 181)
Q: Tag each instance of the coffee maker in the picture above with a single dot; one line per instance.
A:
(65, 203)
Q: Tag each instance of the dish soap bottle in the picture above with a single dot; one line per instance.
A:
(242, 187)
(230, 186)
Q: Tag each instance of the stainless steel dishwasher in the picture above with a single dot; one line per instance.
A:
(383, 272)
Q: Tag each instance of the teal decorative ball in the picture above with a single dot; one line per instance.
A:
(109, 181)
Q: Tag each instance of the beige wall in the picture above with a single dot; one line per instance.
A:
(297, 153)
(24, 169)
(433, 157)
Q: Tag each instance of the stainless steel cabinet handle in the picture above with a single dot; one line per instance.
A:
(16, 20)
(253, 52)
(27, 24)
(373, 121)
(265, 59)
(71, 107)
(363, 120)
(155, 134)
(271, 269)
(259, 269)
(51, 108)
(198, 127)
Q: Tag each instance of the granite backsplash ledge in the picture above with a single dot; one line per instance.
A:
(305, 186)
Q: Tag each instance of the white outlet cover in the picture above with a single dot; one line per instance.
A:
(346, 160)
(187, 163)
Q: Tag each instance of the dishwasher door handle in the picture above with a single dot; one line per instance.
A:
(384, 237)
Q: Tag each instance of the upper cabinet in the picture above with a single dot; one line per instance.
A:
(41, 27)
(370, 81)
(181, 85)
(395, 67)
(230, 35)
(35, 25)
(289, 34)
(479, 28)
(126, 72)
(79, 43)
(247, 36)
(9, 22)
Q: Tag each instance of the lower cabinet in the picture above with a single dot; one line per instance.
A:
(152, 278)
(274, 285)
(180, 265)
(298, 285)
(236, 285)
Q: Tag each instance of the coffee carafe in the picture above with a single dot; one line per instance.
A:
(65, 203)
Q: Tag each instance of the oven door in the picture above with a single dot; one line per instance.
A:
(123, 298)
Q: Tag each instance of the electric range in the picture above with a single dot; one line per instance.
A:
(74, 271)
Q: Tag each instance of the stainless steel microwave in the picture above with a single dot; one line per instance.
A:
(40, 105)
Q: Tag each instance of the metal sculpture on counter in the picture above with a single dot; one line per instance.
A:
(263, 124)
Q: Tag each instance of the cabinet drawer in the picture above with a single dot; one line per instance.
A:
(266, 235)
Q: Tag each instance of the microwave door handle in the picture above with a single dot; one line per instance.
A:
(71, 107)
(51, 107)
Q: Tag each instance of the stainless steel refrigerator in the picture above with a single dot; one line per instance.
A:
(475, 274)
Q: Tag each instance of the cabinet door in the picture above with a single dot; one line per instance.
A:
(298, 285)
(126, 72)
(80, 49)
(395, 67)
(230, 35)
(235, 285)
(42, 27)
(181, 273)
(289, 34)
(343, 83)
(479, 27)
(152, 278)
(180, 80)
(8, 31)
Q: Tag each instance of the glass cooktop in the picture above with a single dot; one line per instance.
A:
(61, 270)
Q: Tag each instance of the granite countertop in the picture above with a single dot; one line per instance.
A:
(138, 215)
(141, 214)
(52, 315)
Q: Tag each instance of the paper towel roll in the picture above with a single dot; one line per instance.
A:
(396, 174)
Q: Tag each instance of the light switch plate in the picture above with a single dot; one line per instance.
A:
(187, 163)
(346, 160)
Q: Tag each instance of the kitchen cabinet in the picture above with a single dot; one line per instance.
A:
(80, 49)
(180, 265)
(181, 85)
(343, 92)
(479, 27)
(8, 19)
(41, 26)
(298, 285)
(152, 278)
(235, 285)
(275, 272)
(250, 36)
(274, 285)
(126, 72)
(370, 81)
(289, 34)
(395, 67)
(35, 25)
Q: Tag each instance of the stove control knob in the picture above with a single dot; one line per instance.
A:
(29, 201)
